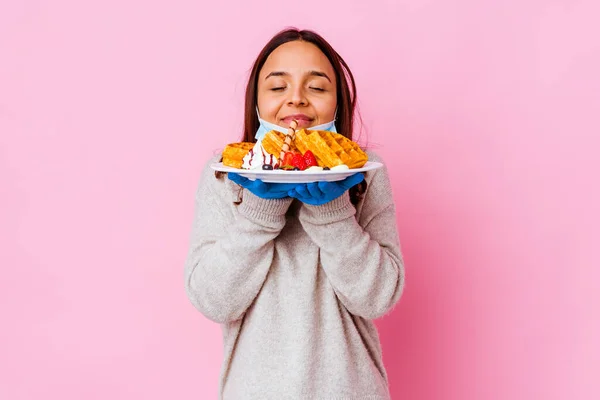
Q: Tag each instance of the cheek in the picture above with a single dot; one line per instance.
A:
(267, 108)
(326, 107)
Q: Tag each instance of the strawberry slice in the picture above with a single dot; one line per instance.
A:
(298, 162)
(287, 159)
(309, 159)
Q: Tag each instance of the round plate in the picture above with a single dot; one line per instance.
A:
(283, 176)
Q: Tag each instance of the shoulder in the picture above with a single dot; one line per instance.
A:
(379, 176)
(379, 187)
(373, 156)
(207, 171)
(216, 184)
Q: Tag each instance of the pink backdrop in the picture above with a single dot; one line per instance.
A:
(486, 113)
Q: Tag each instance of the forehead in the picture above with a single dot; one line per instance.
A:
(297, 57)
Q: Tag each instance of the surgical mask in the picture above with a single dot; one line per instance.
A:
(265, 127)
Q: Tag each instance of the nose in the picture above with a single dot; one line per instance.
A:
(297, 97)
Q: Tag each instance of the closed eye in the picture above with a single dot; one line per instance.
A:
(277, 89)
(318, 89)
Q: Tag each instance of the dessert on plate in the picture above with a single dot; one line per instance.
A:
(303, 150)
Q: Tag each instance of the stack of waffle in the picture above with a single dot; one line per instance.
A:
(330, 149)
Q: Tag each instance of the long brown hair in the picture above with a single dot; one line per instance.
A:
(346, 89)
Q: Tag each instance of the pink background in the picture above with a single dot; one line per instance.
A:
(486, 113)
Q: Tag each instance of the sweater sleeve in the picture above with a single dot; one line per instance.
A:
(231, 247)
(362, 261)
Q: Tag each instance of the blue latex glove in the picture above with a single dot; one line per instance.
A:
(318, 193)
(262, 189)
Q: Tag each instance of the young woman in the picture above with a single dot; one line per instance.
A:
(296, 273)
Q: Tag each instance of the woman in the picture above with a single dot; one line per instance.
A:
(296, 273)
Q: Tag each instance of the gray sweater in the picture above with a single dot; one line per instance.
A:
(295, 288)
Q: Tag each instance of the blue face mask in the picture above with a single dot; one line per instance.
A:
(265, 127)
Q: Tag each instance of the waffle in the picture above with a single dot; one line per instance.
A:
(330, 149)
(273, 141)
(234, 153)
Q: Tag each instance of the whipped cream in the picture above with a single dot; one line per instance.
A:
(257, 157)
(341, 167)
(314, 168)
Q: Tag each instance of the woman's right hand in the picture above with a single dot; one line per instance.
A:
(263, 189)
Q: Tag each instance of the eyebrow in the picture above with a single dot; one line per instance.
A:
(312, 73)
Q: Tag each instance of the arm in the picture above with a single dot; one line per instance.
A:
(231, 247)
(362, 261)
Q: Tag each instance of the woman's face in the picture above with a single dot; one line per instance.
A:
(297, 82)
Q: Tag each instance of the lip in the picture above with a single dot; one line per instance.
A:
(302, 119)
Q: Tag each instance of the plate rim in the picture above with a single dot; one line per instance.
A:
(221, 168)
(275, 175)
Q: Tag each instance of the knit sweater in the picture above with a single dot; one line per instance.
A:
(296, 288)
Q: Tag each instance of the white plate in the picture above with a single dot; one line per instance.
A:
(283, 176)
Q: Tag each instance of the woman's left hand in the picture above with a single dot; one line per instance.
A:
(318, 193)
